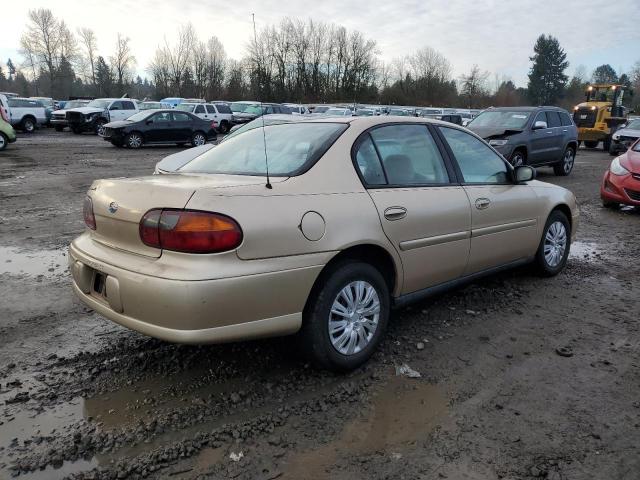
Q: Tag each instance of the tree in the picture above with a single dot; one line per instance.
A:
(11, 69)
(507, 95)
(89, 44)
(546, 77)
(474, 86)
(104, 77)
(604, 74)
(122, 62)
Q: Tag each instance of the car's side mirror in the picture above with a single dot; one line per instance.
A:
(524, 173)
(539, 125)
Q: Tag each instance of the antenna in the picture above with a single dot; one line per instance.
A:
(264, 135)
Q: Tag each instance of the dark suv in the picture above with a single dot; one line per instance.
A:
(530, 135)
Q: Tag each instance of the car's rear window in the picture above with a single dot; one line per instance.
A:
(291, 149)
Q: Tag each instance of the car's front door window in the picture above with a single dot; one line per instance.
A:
(477, 161)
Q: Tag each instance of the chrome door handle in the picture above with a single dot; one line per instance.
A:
(549, 132)
(395, 213)
(482, 203)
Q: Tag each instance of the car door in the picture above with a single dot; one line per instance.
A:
(212, 112)
(557, 136)
(541, 143)
(159, 128)
(200, 112)
(423, 212)
(128, 109)
(504, 215)
(115, 111)
(182, 126)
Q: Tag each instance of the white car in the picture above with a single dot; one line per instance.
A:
(297, 109)
(59, 117)
(341, 112)
(99, 112)
(216, 112)
(26, 114)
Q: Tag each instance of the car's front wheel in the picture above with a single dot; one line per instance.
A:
(100, 127)
(566, 164)
(346, 316)
(133, 140)
(28, 125)
(3, 141)
(518, 158)
(553, 251)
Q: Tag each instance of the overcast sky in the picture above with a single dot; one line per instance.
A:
(497, 35)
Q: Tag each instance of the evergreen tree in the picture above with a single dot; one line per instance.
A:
(546, 77)
(11, 69)
(104, 77)
(605, 74)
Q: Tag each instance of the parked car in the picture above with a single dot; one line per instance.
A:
(364, 112)
(430, 112)
(4, 107)
(399, 112)
(160, 127)
(341, 112)
(171, 102)
(26, 114)
(255, 110)
(148, 105)
(7, 133)
(220, 113)
(452, 118)
(624, 137)
(59, 117)
(98, 112)
(297, 109)
(320, 109)
(530, 135)
(218, 252)
(621, 181)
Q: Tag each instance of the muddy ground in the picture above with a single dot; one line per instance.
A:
(85, 398)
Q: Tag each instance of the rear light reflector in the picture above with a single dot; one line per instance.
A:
(189, 231)
(87, 213)
(214, 124)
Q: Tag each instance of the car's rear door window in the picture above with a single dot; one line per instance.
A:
(368, 162)
(199, 109)
(409, 155)
(211, 109)
(553, 119)
(478, 163)
(565, 119)
(181, 117)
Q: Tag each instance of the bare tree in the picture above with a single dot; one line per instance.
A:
(123, 61)
(89, 45)
(474, 85)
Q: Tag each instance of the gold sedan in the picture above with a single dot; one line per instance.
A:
(357, 216)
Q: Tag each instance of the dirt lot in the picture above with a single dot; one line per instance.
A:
(85, 398)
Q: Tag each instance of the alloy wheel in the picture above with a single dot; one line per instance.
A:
(555, 244)
(3, 142)
(134, 141)
(569, 158)
(100, 129)
(198, 139)
(29, 126)
(517, 160)
(354, 317)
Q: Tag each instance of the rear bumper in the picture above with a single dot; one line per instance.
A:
(620, 189)
(194, 311)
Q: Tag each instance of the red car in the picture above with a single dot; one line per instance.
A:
(621, 182)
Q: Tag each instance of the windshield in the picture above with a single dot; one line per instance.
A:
(633, 124)
(139, 116)
(99, 103)
(364, 113)
(397, 112)
(149, 105)
(186, 107)
(336, 111)
(320, 109)
(291, 148)
(503, 119)
(238, 107)
(636, 147)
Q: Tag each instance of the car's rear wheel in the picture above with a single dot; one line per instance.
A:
(133, 140)
(3, 141)
(555, 244)
(591, 143)
(224, 127)
(566, 164)
(28, 125)
(100, 127)
(346, 316)
(518, 158)
(198, 139)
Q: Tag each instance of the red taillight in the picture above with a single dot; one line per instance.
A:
(3, 112)
(87, 212)
(214, 124)
(189, 231)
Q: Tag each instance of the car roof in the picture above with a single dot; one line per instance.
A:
(524, 109)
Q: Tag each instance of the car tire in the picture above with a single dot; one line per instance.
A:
(100, 127)
(362, 334)
(565, 166)
(133, 140)
(198, 139)
(591, 143)
(224, 127)
(4, 141)
(518, 158)
(555, 245)
(28, 125)
(59, 128)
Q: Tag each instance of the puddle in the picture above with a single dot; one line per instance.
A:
(403, 411)
(585, 250)
(47, 263)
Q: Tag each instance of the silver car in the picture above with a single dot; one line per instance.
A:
(624, 137)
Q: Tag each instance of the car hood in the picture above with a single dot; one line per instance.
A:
(491, 132)
(86, 110)
(118, 124)
(245, 115)
(631, 161)
(628, 132)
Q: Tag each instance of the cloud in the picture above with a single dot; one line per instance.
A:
(496, 35)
